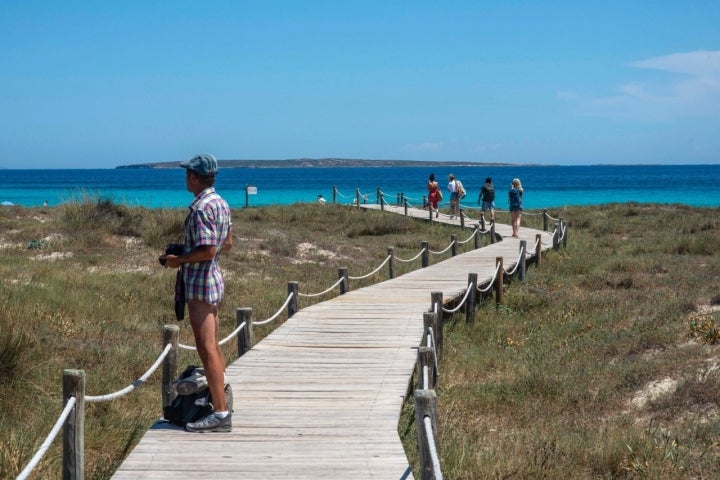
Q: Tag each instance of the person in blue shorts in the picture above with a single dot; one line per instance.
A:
(487, 198)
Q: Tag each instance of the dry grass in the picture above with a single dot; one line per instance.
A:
(603, 364)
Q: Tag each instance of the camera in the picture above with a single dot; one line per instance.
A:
(172, 249)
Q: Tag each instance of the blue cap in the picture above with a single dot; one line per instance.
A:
(204, 164)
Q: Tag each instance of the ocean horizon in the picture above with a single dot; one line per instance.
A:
(546, 186)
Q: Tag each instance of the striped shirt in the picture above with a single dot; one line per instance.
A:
(208, 223)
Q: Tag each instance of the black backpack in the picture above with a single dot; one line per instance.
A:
(489, 195)
(192, 407)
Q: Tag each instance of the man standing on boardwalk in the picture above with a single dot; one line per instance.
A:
(207, 233)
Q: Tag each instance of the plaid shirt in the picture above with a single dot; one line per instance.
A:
(208, 223)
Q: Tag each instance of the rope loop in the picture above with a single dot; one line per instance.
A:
(412, 259)
(441, 251)
(387, 259)
(462, 302)
(432, 447)
(263, 322)
(135, 384)
(48, 441)
(492, 281)
(330, 288)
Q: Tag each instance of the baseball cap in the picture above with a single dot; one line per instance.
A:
(204, 164)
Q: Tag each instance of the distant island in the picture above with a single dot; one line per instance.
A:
(321, 162)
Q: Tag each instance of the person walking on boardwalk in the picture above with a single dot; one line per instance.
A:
(515, 199)
(487, 198)
(434, 194)
(457, 191)
(207, 233)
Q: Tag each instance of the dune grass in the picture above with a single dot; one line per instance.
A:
(554, 383)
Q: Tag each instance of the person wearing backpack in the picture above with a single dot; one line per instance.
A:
(457, 193)
(487, 198)
(207, 233)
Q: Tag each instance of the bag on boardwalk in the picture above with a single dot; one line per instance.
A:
(193, 401)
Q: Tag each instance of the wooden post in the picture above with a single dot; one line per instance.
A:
(436, 303)
(462, 218)
(430, 212)
(357, 198)
(521, 267)
(335, 194)
(245, 338)
(453, 245)
(344, 285)
(425, 257)
(538, 249)
(405, 202)
(430, 322)
(545, 220)
(482, 220)
(74, 428)
(426, 358)
(563, 232)
(425, 406)
(492, 233)
(171, 334)
(391, 266)
(470, 301)
(436, 298)
(293, 305)
(476, 239)
(499, 281)
(556, 236)
(381, 197)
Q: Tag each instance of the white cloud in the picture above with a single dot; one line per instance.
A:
(691, 88)
(700, 64)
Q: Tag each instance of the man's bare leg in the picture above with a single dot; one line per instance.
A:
(204, 321)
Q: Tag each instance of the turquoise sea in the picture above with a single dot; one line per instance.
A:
(545, 186)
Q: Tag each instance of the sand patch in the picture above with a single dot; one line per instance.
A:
(653, 391)
(53, 256)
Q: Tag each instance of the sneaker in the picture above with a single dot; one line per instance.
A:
(211, 423)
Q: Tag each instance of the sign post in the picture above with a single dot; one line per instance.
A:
(249, 190)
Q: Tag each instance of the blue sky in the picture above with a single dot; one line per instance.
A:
(101, 84)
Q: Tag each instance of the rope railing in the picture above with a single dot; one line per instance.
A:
(135, 384)
(433, 448)
(552, 236)
(492, 281)
(35, 460)
(387, 259)
(462, 302)
(517, 264)
(411, 259)
(441, 251)
(472, 235)
(430, 342)
(319, 294)
(537, 242)
(276, 315)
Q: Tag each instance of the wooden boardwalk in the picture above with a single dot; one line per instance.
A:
(321, 396)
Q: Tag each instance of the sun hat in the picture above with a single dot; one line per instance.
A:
(204, 164)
